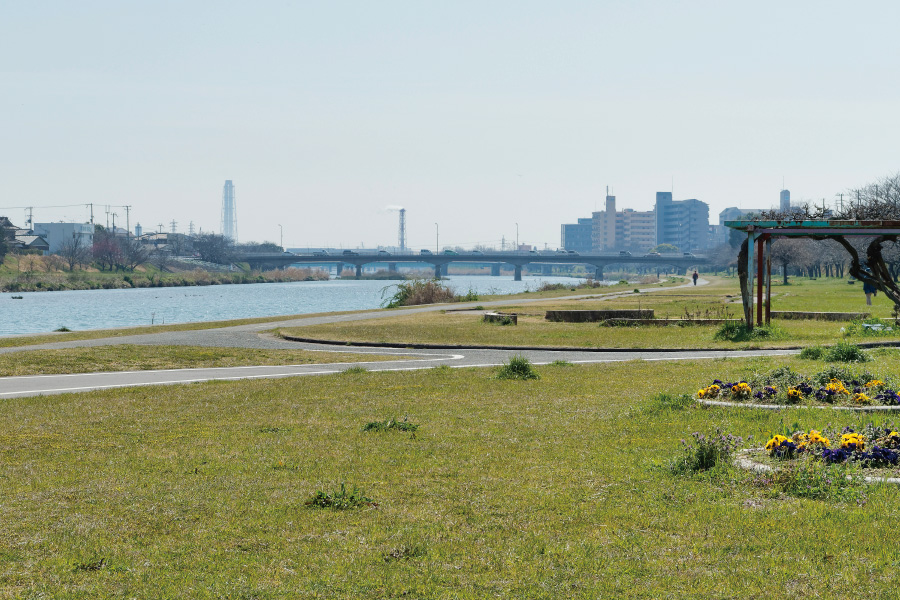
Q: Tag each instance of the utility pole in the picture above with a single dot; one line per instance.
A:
(92, 212)
(114, 215)
(127, 221)
(437, 239)
(107, 217)
(30, 210)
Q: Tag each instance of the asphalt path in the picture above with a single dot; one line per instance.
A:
(253, 336)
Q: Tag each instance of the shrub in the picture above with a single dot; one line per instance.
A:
(519, 368)
(704, 453)
(342, 499)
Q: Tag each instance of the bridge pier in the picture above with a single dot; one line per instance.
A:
(392, 267)
(339, 268)
(546, 269)
(517, 274)
(598, 273)
(495, 270)
(437, 271)
(359, 270)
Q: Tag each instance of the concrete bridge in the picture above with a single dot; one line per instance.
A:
(266, 261)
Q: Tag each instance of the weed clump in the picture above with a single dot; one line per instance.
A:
(422, 291)
(391, 424)
(342, 499)
(705, 452)
(845, 352)
(404, 552)
(812, 353)
(738, 332)
(354, 370)
(519, 368)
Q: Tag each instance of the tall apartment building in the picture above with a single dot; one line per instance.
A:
(682, 223)
(623, 230)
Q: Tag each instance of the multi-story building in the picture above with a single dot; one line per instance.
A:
(623, 230)
(785, 200)
(682, 223)
(577, 236)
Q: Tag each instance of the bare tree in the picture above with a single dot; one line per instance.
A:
(74, 251)
(790, 252)
(106, 250)
(134, 253)
(161, 258)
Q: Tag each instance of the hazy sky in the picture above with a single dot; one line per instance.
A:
(474, 115)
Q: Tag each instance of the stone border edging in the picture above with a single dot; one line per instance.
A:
(416, 346)
(783, 406)
(748, 464)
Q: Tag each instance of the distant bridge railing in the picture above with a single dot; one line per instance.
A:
(439, 261)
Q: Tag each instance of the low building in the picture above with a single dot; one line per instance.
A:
(57, 234)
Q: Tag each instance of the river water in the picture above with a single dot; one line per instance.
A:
(41, 312)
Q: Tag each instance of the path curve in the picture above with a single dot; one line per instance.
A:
(252, 336)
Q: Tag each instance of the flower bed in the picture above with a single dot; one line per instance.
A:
(837, 387)
(874, 451)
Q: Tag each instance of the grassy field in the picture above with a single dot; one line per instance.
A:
(555, 488)
(129, 357)
(720, 299)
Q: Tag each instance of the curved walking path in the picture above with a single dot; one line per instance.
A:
(253, 336)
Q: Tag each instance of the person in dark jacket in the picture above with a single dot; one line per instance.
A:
(695, 276)
(870, 290)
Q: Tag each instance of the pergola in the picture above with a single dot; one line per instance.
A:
(872, 270)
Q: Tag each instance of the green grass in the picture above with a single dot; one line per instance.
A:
(553, 489)
(719, 299)
(139, 358)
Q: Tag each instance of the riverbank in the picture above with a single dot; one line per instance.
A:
(33, 273)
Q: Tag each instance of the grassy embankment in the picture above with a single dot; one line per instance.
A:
(721, 298)
(554, 488)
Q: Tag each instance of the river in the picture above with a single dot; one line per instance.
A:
(41, 312)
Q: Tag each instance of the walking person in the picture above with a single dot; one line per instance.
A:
(870, 290)
(695, 276)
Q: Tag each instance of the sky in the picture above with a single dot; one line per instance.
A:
(481, 118)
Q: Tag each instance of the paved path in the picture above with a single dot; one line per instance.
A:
(251, 336)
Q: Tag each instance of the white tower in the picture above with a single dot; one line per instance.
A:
(229, 212)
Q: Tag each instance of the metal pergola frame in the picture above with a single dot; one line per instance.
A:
(762, 232)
